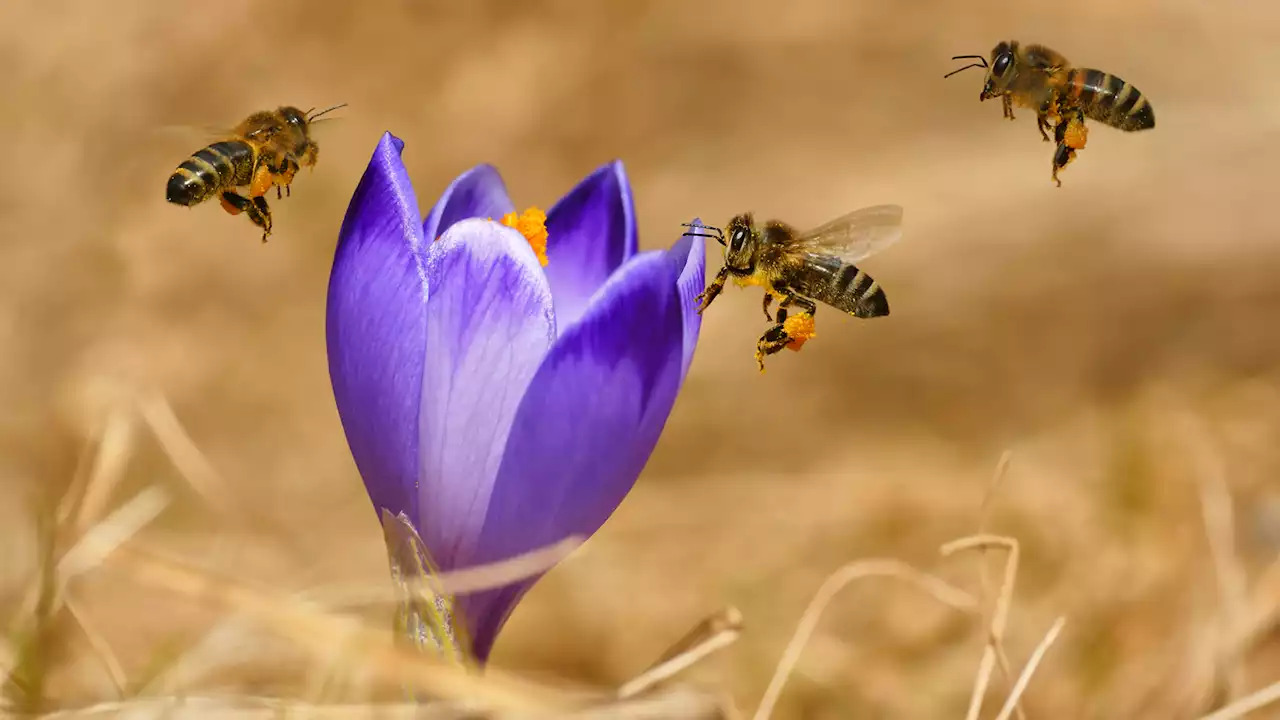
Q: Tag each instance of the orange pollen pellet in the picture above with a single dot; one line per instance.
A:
(1076, 135)
(532, 224)
(800, 329)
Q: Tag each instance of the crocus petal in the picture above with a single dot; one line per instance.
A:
(476, 193)
(689, 254)
(585, 428)
(489, 324)
(375, 326)
(591, 232)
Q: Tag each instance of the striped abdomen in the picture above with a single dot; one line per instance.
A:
(1110, 100)
(841, 285)
(221, 166)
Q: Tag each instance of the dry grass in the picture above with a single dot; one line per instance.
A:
(367, 657)
(343, 645)
(364, 661)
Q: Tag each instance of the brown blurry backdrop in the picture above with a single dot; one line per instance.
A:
(1116, 334)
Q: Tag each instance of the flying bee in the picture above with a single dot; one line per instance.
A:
(804, 268)
(1035, 77)
(265, 150)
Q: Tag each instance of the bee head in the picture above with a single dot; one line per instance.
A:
(735, 237)
(301, 120)
(295, 118)
(999, 70)
(738, 243)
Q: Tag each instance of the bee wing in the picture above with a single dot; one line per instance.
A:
(855, 236)
(1045, 60)
(195, 133)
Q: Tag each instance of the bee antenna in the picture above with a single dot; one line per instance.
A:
(716, 233)
(311, 118)
(703, 227)
(982, 63)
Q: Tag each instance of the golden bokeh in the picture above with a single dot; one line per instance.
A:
(1115, 335)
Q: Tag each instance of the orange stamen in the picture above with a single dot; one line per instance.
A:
(532, 224)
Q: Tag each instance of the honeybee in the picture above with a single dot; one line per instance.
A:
(1035, 77)
(265, 150)
(803, 268)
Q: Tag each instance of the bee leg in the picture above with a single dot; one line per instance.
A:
(1007, 102)
(805, 305)
(288, 168)
(260, 214)
(1071, 135)
(772, 341)
(256, 208)
(768, 300)
(234, 203)
(1061, 157)
(1043, 122)
(705, 297)
(776, 338)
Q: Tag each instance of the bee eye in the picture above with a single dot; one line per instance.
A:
(737, 239)
(1001, 64)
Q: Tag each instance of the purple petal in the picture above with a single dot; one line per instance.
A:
(489, 325)
(591, 232)
(690, 257)
(585, 428)
(375, 325)
(476, 193)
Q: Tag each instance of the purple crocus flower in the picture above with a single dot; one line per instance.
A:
(497, 405)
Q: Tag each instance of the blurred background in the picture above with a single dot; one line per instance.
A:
(1115, 335)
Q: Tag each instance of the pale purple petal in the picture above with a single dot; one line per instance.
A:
(689, 254)
(489, 325)
(591, 232)
(375, 326)
(476, 193)
(585, 428)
